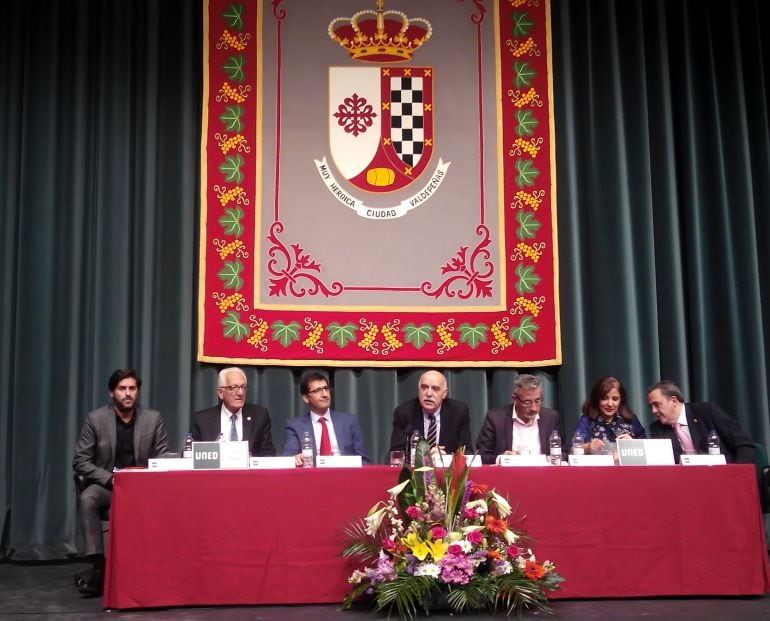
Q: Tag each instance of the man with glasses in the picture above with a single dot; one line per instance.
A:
(235, 419)
(332, 433)
(523, 427)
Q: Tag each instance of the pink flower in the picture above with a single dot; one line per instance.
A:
(413, 512)
(438, 532)
(512, 551)
(388, 544)
(455, 549)
(469, 514)
(475, 537)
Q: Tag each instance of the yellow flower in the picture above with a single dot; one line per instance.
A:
(437, 548)
(418, 548)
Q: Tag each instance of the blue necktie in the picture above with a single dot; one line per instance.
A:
(233, 429)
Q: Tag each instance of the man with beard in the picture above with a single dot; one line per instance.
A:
(443, 422)
(121, 434)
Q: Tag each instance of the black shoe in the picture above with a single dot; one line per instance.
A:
(94, 586)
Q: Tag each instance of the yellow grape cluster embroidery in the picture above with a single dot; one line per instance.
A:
(368, 339)
(228, 40)
(314, 334)
(230, 195)
(258, 333)
(501, 338)
(228, 93)
(229, 301)
(528, 148)
(228, 249)
(530, 200)
(528, 306)
(519, 49)
(444, 332)
(391, 340)
(527, 251)
(238, 140)
(524, 99)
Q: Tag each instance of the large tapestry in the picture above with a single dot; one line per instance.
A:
(378, 184)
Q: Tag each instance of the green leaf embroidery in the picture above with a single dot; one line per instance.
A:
(231, 221)
(527, 173)
(234, 68)
(473, 335)
(524, 74)
(525, 331)
(286, 333)
(231, 118)
(342, 335)
(522, 24)
(233, 328)
(527, 123)
(230, 275)
(528, 279)
(528, 225)
(231, 168)
(418, 335)
(233, 15)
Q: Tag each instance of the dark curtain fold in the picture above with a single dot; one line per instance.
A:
(663, 165)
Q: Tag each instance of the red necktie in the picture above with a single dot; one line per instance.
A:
(326, 443)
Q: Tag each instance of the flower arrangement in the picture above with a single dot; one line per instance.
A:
(441, 540)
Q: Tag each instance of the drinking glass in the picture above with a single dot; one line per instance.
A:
(397, 459)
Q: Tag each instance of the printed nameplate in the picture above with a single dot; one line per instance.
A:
(522, 460)
(591, 460)
(233, 455)
(338, 461)
(272, 463)
(206, 455)
(703, 460)
(645, 452)
(161, 464)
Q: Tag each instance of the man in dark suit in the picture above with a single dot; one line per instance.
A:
(687, 425)
(233, 417)
(119, 435)
(331, 433)
(522, 427)
(449, 418)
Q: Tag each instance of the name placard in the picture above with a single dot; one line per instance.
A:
(338, 461)
(645, 452)
(272, 463)
(522, 460)
(473, 461)
(592, 460)
(233, 455)
(206, 455)
(167, 465)
(703, 460)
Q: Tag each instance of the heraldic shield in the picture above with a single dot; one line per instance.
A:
(381, 125)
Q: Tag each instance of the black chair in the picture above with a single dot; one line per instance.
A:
(80, 484)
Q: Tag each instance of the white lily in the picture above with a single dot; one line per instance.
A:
(503, 508)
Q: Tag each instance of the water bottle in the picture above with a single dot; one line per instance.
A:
(713, 443)
(307, 450)
(413, 440)
(187, 450)
(577, 444)
(555, 444)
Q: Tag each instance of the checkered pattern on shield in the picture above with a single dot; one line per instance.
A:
(406, 118)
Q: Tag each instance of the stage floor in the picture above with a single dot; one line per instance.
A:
(46, 591)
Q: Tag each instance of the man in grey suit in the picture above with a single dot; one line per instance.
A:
(233, 417)
(121, 434)
(331, 433)
(524, 426)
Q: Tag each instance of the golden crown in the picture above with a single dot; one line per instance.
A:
(380, 36)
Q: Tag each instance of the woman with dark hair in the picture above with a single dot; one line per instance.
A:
(606, 417)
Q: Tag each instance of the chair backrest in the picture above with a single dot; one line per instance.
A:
(763, 476)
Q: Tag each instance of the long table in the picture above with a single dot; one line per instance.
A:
(243, 537)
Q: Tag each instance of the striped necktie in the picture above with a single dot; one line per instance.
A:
(432, 431)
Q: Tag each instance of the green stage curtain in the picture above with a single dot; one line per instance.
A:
(663, 166)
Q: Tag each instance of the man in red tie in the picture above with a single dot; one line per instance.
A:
(687, 425)
(332, 433)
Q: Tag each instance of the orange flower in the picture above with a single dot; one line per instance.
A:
(495, 525)
(479, 490)
(493, 555)
(533, 571)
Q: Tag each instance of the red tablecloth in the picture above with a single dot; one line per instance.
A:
(274, 537)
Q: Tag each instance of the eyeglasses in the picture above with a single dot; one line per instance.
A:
(528, 403)
(235, 388)
(315, 391)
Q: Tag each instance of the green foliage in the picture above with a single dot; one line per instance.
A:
(342, 335)
(523, 74)
(286, 333)
(473, 335)
(528, 279)
(522, 24)
(527, 172)
(233, 15)
(231, 168)
(525, 331)
(526, 123)
(230, 275)
(528, 225)
(418, 335)
(233, 328)
(231, 221)
(234, 68)
(231, 118)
